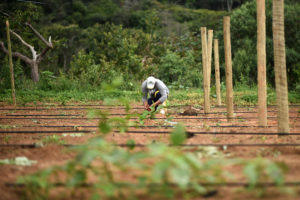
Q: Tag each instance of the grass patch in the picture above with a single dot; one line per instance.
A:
(243, 95)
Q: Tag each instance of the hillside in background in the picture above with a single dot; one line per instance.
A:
(98, 39)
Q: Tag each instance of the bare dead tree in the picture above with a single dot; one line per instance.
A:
(4, 13)
(36, 58)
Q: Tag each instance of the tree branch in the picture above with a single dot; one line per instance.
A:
(15, 54)
(34, 55)
(4, 13)
(40, 56)
(48, 44)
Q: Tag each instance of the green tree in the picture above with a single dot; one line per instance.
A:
(243, 29)
(68, 41)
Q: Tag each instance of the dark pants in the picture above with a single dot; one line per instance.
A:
(154, 98)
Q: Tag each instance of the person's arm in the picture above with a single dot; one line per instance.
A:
(156, 103)
(146, 106)
(144, 91)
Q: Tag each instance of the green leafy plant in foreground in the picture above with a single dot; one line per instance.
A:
(263, 170)
(159, 171)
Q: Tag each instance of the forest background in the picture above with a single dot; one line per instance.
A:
(96, 41)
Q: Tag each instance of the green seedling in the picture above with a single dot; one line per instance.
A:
(263, 138)
(63, 102)
(130, 144)
(72, 134)
(215, 139)
(241, 119)
(7, 126)
(63, 113)
(207, 127)
(7, 138)
(264, 152)
(53, 139)
(169, 117)
(147, 115)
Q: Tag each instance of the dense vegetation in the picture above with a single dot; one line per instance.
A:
(96, 41)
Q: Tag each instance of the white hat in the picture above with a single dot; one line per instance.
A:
(151, 82)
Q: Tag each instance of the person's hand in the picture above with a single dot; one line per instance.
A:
(156, 103)
(146, 106)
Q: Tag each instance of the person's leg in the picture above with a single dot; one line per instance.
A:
(150, 101)
(154, 98)
(157, 97)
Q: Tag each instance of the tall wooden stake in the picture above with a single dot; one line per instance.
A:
(280, 67)
(228, 68)
(209, 56)
(11, 67)
(205, 69)
(217, 71)
(261, 63)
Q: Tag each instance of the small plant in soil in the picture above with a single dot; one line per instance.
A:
(263, 138)
(264, 152)
(6, 139)
(207, 127)
(149, 114)
(241, 120)
(7, 126)
(215, 139)
(52, 139)
(169, 117)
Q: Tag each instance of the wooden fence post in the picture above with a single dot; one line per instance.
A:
(209, 55)
(217, 71)
(11, 65)
(280, 67)
(204, 67)
(261, 63)
(228, 67)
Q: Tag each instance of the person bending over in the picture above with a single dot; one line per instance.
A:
(157, 90)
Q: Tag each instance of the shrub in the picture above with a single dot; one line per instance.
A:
(177, 70)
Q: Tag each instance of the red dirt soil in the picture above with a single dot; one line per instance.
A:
(55, 154)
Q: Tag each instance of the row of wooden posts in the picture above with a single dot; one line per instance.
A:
(279, 65)
(207, 44)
